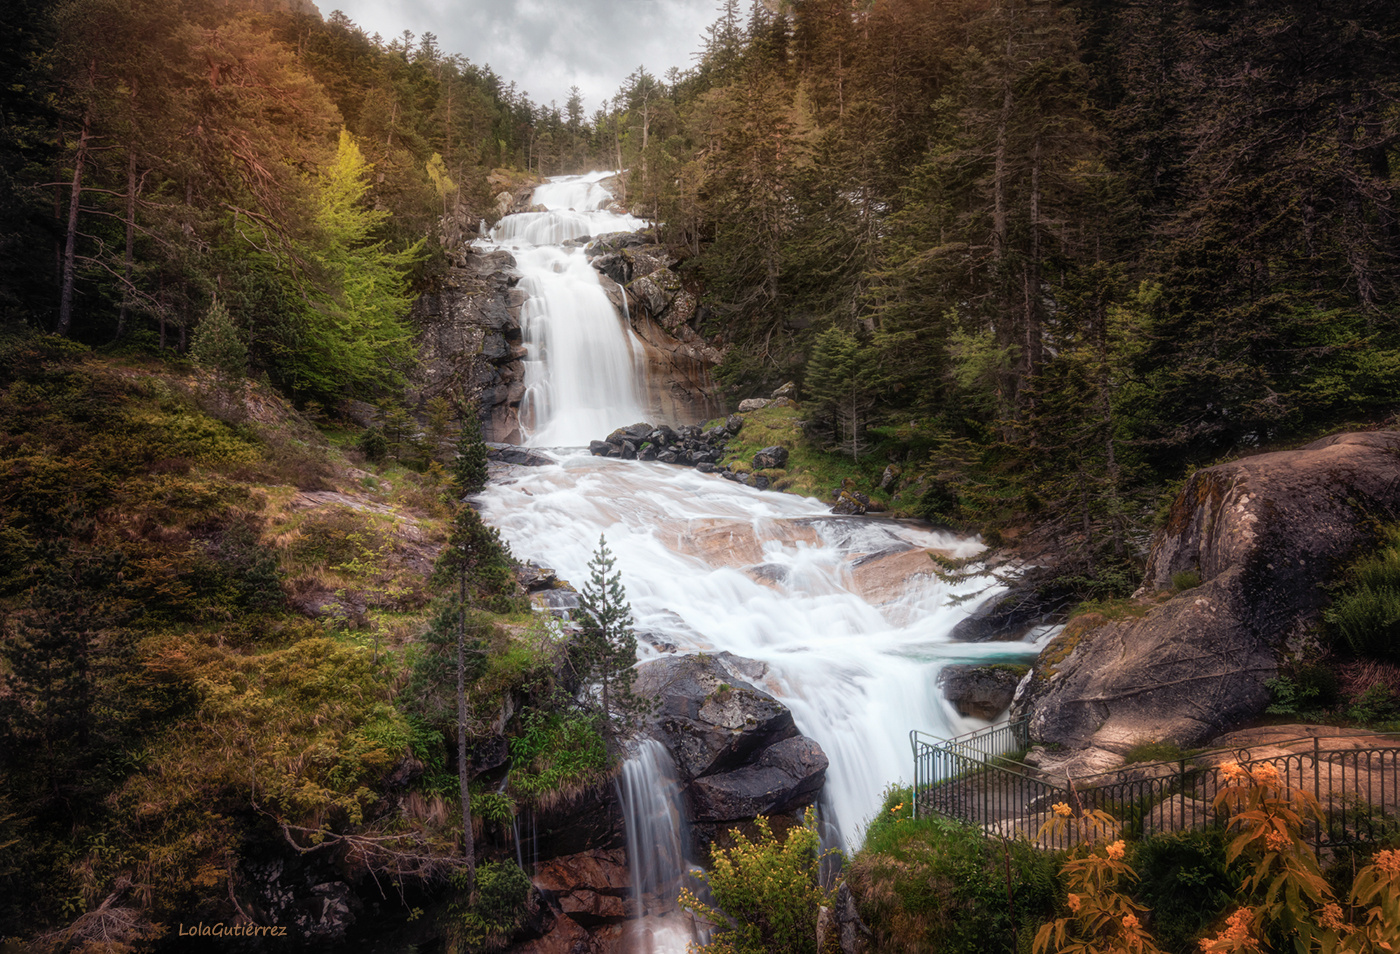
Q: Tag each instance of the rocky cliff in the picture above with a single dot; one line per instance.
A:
(1262, 535)
(471, 343)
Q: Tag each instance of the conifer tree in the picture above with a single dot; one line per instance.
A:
(607, 646)
(469, 469)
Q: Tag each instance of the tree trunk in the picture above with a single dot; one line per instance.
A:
(130, 241)
(70, 242)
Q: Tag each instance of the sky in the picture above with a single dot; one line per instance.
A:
(546, 46)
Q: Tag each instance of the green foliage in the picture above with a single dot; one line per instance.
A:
(605, 649)
(1287, 697)
(1187, 883)
(373, 444)
(1378, 704)
(217, 344)
(766, 891)
(931, 884)
(556, 749)
(469, 466)
(1185, 580)
(1366, 613)
(502, 892)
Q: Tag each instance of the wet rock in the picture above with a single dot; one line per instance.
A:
(705, 467)
(771, 458)
(600, 448)
(983, 692)
(1034, 599)
(591, 887)
(738, 753)
(534, 577)
(760, 482)
(514, 454)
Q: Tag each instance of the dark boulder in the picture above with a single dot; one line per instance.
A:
(600, 448)
(770, 458)
(514, 454)
(1034, 599)
(733, 424)
(983, 692)
(738, 753)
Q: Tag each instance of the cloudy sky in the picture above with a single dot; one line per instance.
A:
(546, 46)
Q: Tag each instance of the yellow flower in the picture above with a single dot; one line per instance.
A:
(1388, 861)
(1115, 850)
(1061, 809)
(1331, 917)
(1073, 902)
(1131, 922)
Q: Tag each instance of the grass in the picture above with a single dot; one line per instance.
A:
(811, 470)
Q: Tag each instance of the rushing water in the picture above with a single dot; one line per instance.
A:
(847, 612)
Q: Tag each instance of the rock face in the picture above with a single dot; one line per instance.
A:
(470, 331)
(737, 752)
(666, 317)
(1262, 534)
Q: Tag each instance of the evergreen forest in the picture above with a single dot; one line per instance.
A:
(1036, 259)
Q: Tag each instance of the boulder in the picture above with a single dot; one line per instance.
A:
(738, 753)
(753, 404)
(733, 424)
(534, 577)
(770, 458)
(851, 502)
(1262, 535)
(788, 390)
(514, 454)
(983, 692)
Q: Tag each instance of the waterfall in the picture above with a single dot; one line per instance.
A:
(585, 372)
(653, 818)
(849, 614)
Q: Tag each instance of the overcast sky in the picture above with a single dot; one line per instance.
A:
(546, 46)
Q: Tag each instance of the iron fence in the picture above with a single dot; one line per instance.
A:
(978, 778)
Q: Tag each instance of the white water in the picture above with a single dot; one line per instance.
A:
(584, 373)
(846, 612)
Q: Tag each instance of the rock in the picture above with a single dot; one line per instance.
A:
(514, 454)
(788, 390)
(591, 887)
(566, 936)
(647, 452)
(587, 819)
(1263, 534)
(600, 448)
(839, 927)
(890, 475)
(534, 577)
(753, 404)
(851, 503)
(983, 692)
(705, 467)
(783, 402)
(1034, 599)
(733, 424)
(738, 753)
(636, 433)
(771, 458)
(760, 482)
(668, 457)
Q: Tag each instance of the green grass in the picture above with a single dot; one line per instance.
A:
(811, 470)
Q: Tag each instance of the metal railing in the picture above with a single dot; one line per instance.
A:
(975, 778)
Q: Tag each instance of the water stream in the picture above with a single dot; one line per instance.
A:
(847, 612)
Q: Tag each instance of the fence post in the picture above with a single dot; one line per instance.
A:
(1317, 797)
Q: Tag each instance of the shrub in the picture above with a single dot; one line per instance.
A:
(502, 896)
(554, 750)
(1186, 580)
(935, 885)
(1186, 881)
(766, 892)
(1366, 613)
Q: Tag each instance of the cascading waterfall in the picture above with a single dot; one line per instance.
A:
(584, 370)
(847, 612)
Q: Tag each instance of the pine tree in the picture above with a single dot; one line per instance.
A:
(606, 649)
(218, 346)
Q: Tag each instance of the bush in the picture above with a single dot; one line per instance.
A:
(555, 750)
(1186, 881)
(934, 885)
(766, 892)
(502, 897)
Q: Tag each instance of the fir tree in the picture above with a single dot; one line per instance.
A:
(606, 649)
(218, 346)
(469, 469)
